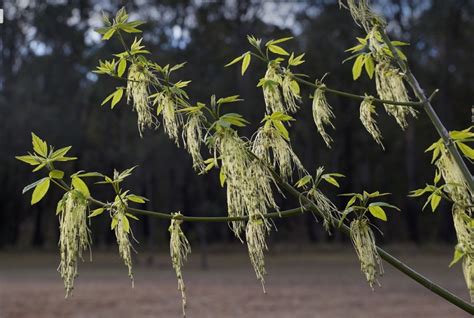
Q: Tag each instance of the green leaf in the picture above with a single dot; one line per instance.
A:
(117, 97)
(114, 223)
(357, 67)
(369, 66)
(282, 129)
(277, 50)
(246, 62)
(32, 185)
(278, 41)
(121, 67)
(295, 87)
(136, 198)
(466, 150)
(32, 160)
(107, 99)
(132, 216)
(350, 202)
(384, 204)
(56, 174)
(222, 178)
(330, 180)
(39, 146)
(458, 255)
(60, 152)
(303, 181)
(126, 224)
(80, 186)
(237, 59)
(378, 212)
(107, 35)
(96, 212)
(40, 191)
(435, 200)
(90, 174)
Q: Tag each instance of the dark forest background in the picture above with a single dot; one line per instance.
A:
(48, 49)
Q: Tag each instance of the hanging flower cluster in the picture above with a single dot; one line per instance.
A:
(121, 226)
(389, 85)
(271, 143)
(138, 80)
(364, 243)
(74, 235)
(322, 113)
(172, 120)
(271, 89)
(179, 250)
(367, 112)
(291, 91)
(192, 138)
(255, 235)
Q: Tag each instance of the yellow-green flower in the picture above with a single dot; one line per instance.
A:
(179, 250)
(390, 86)
(322, 113)
(367, 111)
(192, 139)
(137, 92)
(270, 145)
(74, 235)
(364, 244)
(255, 234)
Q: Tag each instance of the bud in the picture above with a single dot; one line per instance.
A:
(179, 250)
(322, 113)
(364, 243)
(137, 91)
(367, 110)
(192, 138)
(74, 235)
(389, 85)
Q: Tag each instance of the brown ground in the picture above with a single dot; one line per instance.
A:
(301, 283)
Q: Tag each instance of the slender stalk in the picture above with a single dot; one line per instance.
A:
(425, 102)
(357, 97)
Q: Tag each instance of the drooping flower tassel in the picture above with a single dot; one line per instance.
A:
(322, 113)
(390, 86)
(121, 227)
(367, 111)
(271, 90)
(270, 146)
(291, 92)
(172, 120)
(364, 244)
(137, 92)
(363, 14)
(74, 235)
(255, 234)
(179, 250)
(192, 139)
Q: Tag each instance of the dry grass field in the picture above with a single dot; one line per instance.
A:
(302, 282)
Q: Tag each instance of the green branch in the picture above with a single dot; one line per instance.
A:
(360, 97)
(426, 103)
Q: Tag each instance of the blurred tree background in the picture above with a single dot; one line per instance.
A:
(48, 49)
